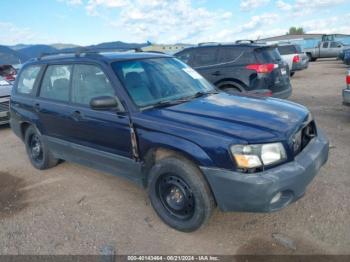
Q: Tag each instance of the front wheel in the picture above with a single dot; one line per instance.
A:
(38, 153)
(179, 194)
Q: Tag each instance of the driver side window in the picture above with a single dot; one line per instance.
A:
(89, 81)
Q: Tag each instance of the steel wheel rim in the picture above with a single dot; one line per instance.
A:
(36, 149)
(176, 196)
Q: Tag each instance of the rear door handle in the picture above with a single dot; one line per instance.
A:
(76, 115)
(217, 73)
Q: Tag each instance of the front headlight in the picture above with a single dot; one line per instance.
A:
(256, 156)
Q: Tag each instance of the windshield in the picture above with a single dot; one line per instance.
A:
(153, 81)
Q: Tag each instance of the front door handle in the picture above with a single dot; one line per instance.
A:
(37, 107)
(77, 116)
(217, 73)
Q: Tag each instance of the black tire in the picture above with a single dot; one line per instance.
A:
(38, 152)
(231, 89)
(311, 59)
(292, 74)
(179, 194)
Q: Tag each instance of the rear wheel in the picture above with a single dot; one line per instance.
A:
(231, 89)
(38, 153)
(179, 194)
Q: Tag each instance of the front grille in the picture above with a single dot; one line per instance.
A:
(4, 106)
(303, 137)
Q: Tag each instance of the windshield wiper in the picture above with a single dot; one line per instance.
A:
(167, 103)
(201, 93)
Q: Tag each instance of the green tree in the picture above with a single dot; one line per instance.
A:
(296, 31)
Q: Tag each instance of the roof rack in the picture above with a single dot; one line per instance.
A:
(83, 50)
(208, 43)
(245, 41)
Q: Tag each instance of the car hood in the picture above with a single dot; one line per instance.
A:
(252, 119)
(5, 90)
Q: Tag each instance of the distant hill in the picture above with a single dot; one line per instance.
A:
(19, 46)
(64, 46)
(9, 56)
(22, 52)
(117, 45)
(36, 50)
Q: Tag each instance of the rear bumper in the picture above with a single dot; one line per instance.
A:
(286, 93)
(300, 66)
(253, 192)
(346, 97)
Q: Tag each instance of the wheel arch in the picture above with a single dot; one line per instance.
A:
(232, 81)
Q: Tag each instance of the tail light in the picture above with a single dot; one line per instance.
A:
(296, 59)
(9, 77)
(262, 68)
(348, 79)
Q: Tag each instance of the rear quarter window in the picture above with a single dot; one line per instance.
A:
(287, 50)
(27, 80)
(268, 55)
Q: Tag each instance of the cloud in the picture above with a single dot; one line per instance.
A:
(72, 2)
(284, 6)
(93, 6)
(166, 21)
(330, 25)
(304, 7)
(11, 34)
(247, 5)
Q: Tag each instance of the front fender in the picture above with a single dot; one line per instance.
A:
(149, 140)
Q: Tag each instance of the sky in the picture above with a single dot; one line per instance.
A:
(86, 22)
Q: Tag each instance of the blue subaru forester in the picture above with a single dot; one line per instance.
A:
(156, 121)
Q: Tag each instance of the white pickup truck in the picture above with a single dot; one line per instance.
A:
(294, 56)
(324, 49)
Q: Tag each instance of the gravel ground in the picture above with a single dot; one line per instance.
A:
(71, 209)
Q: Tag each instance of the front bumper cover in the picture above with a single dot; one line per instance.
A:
(253, 192)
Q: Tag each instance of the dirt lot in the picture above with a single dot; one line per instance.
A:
(75, 210)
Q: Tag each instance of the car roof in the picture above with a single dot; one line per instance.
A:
(247, 45)
(107, 57)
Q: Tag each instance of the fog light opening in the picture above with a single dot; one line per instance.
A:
(276, 198)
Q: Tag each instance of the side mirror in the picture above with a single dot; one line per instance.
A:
(104, 103)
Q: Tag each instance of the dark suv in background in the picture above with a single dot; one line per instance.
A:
(241, 67)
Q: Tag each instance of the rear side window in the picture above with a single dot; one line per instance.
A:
(325, 45)
(268, 55)
(89, 81)
(298, 48)
(205, 56)
(335, 44)
(287, 49)
(56, 83)
(27, 79)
